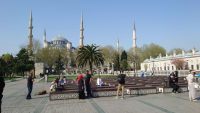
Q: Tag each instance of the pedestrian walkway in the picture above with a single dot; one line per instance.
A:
(15, 93)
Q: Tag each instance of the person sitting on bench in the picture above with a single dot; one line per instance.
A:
(99, 81)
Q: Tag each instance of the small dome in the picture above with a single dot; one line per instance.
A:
(59, 38)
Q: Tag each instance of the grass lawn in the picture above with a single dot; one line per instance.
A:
(11, 79)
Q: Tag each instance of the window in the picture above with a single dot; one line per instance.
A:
(192, 67)
(167, 67)
(197, 66)
(172, 67)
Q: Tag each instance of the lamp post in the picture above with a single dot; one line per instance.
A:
(113, 68)
(134, 64)
(153, 69)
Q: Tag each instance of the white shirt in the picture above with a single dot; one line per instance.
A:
(99, 81)
(190, 78)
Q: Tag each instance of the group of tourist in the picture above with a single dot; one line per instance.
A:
(192, 84)
(84, 84)
(58, 83)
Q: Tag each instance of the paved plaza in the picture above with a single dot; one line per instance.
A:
(15, 92)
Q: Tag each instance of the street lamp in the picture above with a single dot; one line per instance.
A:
(113, 68)
(134, 64)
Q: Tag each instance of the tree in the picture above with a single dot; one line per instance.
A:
(152, 50)
(47, 55)
(66, 56)
(108, 53)
(9, 63)
(116, 61)
(23, 62)
(124, 55)
(135, 59)
(89, 55)
(124, 63)
(179, 63)
(2, 67)
(59, 64)
(36, 46)
(176, 50)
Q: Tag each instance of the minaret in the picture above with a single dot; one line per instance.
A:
(134, 39)
(45, 36)
(118, 45)
(45, 39)
(30, 36)
(81, 32)
(134, 50)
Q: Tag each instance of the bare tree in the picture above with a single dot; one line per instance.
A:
(179, 63)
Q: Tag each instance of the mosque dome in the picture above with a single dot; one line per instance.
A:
(59, 38)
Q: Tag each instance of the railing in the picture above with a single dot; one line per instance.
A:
(155, 73)
(167, 73)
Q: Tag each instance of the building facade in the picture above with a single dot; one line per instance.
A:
(164, 63)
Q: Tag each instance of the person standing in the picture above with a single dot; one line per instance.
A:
(176, 82)
(29, 85)
(121, 83)
(172, 83)
(88, 79)
(2, 85)
(80, 86)
(192, 91)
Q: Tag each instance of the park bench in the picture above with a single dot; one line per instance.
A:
(140, 90)
(63, 95)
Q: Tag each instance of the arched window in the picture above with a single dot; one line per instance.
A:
(192, 67)
(197, 66)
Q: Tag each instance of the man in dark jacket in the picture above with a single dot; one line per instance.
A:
(2, 85)
(88, 78)
(173, 82)
(121, 83)
(29, 85)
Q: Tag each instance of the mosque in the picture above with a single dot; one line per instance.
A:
(59, 42)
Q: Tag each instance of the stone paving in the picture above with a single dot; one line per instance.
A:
(15, 92)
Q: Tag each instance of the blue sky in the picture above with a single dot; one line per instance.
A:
(169, 23)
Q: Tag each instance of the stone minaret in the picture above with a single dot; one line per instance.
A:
(81, 32)
(134, 39)
(45, 40)
(45, 36)
(118, 45)
(30, 36)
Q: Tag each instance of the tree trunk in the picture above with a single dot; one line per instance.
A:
(90, 63)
